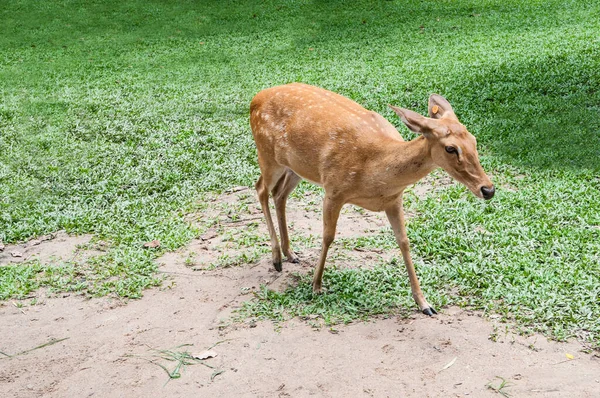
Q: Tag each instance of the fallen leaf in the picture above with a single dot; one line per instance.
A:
(152, 245)
(569, 356)
(16, 254)
(206, 355)
(449, 363)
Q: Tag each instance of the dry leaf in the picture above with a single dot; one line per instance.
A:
(152, 245)
(16, 254)
(449, 363)
(205, 355)
(569, 356)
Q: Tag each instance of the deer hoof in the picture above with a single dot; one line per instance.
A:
(429, 311)
(277, 266)
(294, 259)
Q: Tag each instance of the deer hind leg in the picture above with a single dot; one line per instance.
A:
(282, 190)
(331, 213)
(395, 215)
(264, 185)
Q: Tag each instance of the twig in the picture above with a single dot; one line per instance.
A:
(277, 277)
(237, 189)
(20, 309)
(449, 364)
(179, 273)
(363, 216)
(566, 360)
(243, 220)
(360, 249)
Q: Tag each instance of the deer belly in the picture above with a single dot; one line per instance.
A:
(374, 203)
(300, 158)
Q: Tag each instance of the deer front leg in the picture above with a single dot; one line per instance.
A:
(395, 215)
(331, 213)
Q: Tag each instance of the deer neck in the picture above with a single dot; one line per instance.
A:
(408, 162)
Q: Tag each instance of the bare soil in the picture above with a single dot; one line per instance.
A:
(110, 346)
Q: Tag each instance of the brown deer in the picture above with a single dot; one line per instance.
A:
(358, 157)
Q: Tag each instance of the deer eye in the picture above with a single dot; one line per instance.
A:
(450, 149)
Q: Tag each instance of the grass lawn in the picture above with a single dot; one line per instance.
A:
(118, 117)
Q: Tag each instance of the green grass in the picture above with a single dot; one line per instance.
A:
(117, 117)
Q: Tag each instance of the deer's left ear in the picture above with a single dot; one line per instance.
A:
(439, 107)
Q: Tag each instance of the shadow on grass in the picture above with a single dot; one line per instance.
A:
(542, 113)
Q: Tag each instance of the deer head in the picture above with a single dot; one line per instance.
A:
(451, 145)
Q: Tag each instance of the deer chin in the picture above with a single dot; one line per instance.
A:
(475, 188)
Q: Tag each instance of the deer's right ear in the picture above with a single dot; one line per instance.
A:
(414, 121)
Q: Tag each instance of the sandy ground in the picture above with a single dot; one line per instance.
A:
(110, 346)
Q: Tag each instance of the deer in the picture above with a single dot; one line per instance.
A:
(358, 157)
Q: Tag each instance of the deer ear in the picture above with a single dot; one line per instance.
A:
(439, 107)
(414, 121)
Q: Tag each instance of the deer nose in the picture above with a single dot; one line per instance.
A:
(488, 193)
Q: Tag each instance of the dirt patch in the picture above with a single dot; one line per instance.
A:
(434, 181)
(237, 233)
(51, 248)
(108, 349)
